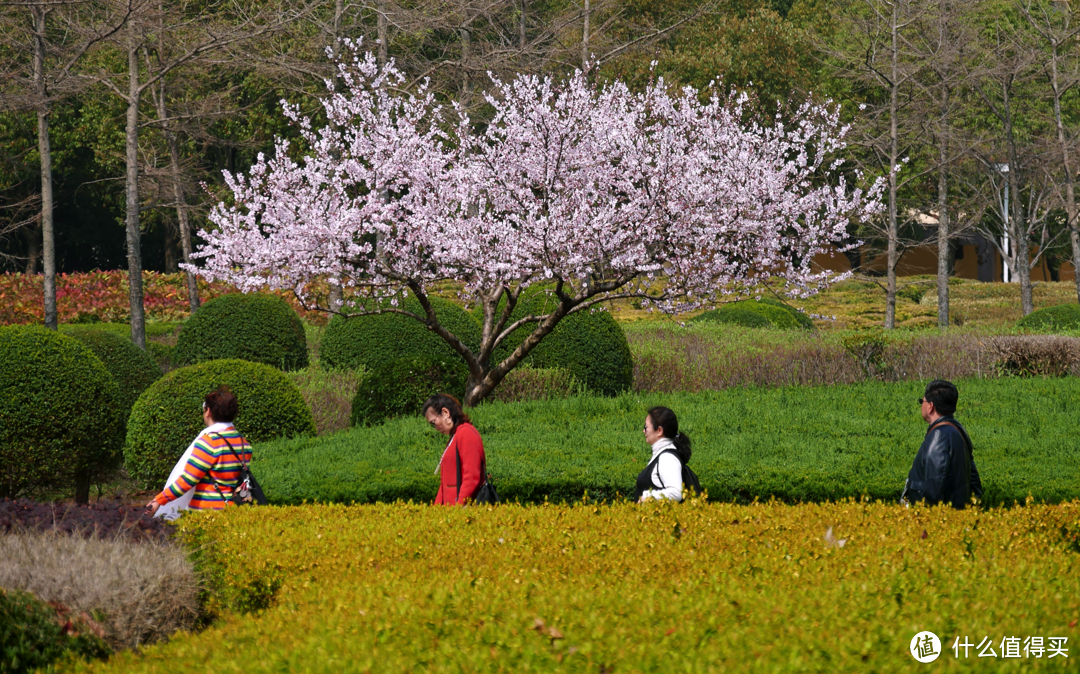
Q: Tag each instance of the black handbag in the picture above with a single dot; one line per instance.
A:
(485, 493)
(247, 490)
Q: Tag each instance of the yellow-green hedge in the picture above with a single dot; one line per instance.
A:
(656, 588)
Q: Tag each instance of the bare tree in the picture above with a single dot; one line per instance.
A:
(880, 57)
(53, 55)
(1058, 26)
(200, 29)
(1013, 155)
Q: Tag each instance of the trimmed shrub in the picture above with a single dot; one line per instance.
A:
(767, 312)
(1058, 317)
(1036, 355)
(162, 355)
(34, 635)
(61, 420)
(590, 345)
(132, 368)
(258, 327)
(168, 416)
(372, 341)
(400, 387)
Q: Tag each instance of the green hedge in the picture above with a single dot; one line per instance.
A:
(32, 638)
(1052, 319)
(168, 416)
(588, 344)
(400, 387)
(795, 444)
(61, 418)
(767, 312)
(372, 341)
(256, 327)
(132, 368)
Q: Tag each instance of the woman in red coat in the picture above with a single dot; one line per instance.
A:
(461, 468)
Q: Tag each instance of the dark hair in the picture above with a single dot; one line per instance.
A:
(663, 417)
(222, 404)
(443, 401)
(943, 395)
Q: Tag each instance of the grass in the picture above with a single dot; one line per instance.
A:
(794, 443)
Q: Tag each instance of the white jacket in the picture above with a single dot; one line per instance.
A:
(666, 472)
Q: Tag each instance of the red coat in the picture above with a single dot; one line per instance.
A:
(467, 442)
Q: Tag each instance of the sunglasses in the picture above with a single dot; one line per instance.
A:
(924, 400)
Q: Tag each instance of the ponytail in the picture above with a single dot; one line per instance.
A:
(662, 417)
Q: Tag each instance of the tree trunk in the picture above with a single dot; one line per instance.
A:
(1070, 188)
(521, 24)
(383, 28)
(134, 251)
(944, 247)
(893, 256)
(48, 248)
(33, 247)
(585, 36)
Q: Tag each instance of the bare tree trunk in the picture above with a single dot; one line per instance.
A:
(48, 248)
(1070, 181)
(1021, 253)
(521, 25)
(134, 251)
(892, 254)
(466, 44)
(585, 36)
(383, 29)
(943, 235)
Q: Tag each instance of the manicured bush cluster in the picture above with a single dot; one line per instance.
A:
(766, 312)
(256, 327)
(1052, 319)
(692, 587)
(132, 368)
(61, 419)
(168, 416)
(796, 444)
(34, 635)
(590, 345)
(373, 341)
(400, 387)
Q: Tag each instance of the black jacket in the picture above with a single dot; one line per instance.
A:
(944, 469)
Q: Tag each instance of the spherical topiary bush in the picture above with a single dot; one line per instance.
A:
(1050, 319)
(764, 313)
(257, 327)
(400, 387)
(132, 368)
(168, 415)
(371, 341)
(588, 344)
(61, 421)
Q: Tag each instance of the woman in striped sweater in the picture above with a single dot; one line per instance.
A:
(214, 462)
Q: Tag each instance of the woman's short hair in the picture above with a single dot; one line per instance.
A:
(662, 417)
(222, 404)
(443, 401)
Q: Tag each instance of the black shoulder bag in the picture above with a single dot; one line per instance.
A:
(691, 484)
(485, 493)
(247, 490)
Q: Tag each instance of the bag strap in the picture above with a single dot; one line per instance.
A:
(657, 462)
(243, 466)
(963, 435)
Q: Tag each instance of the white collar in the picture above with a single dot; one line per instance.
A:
(661, 445)
(218, 427)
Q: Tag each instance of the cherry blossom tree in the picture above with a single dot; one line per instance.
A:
(593, 191)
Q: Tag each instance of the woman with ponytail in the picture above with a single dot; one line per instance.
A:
(663, 476)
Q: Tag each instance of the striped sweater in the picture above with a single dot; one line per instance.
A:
(211, 462)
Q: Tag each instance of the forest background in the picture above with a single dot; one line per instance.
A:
(117, 117)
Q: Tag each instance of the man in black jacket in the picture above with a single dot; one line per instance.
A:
(944, 469)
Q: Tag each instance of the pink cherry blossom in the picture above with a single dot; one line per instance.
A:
(679, 198)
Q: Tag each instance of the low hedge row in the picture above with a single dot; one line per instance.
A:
(690, 587)
(795, 444)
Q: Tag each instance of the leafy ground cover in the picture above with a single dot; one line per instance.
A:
(794, 443)
(659, 588)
